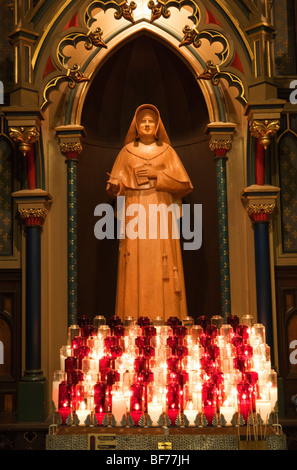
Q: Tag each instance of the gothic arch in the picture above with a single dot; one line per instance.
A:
(220, 61)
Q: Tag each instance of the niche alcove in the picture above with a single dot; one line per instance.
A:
(144, 70)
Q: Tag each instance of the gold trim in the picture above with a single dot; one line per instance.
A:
(24, 137)
(66, 147)
(261, 209)
(264, 130)
(34, 213)
(76, 76)
(220, 144)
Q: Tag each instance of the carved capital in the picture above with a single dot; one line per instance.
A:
(33, 216)
(260, 212)
(220, 147)
(71, 149)
(24, 137)
(70, 140)
(221, 137)
(264, 130)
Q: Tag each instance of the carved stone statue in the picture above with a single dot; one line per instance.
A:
(150, 175)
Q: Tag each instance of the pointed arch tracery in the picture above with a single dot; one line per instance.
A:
(97, 28)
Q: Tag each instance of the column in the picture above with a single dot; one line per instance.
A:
(220, 144)
(33, 206)
(260, 200)
(260, 215)
(70, 146)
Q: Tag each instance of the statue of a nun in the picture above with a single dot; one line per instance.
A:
(152, 179)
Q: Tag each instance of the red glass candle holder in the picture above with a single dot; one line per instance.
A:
(82, 352)
(64, 401)
(143, 322)
(173, 363)
(147, 351)
(211, 331)
(74, 377)
(140, 364)
(100, 401)
(209, 401)
(104, 366)
(136, 402)
(173, 322)
(245, 407)
(180, 352)
(180, 331)
(76, 343)
(140, 342)
(172, 401)
(112, 376)
(88, 330)
(172, 341)
(149, 331)
(112, 322)
(119, 331)
(111, 341)
(203, 321)
(245, 350)
(243, 331)
(236, 340)
(116, 351)
(213, 351)
(70, 364)
(233, 320)
(205, 340)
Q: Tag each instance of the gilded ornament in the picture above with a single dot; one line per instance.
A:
(126, 11)
(212, 73)
(264, 130)
(94, 38)
(33, 213)
(24, 137)
(75, 76)
(158, 9)
(191, 37)
(256, 209)
(220, 145)
(69, 147)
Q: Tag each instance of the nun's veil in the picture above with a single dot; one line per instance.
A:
(161, 134)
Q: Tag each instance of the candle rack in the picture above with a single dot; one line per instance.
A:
(176, 373)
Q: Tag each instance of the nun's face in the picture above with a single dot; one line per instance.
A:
(147, 125)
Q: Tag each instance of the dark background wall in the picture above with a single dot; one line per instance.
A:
(144, 70)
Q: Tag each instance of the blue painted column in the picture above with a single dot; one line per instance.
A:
(33, 301)
(32, 387)
(260, 213)
(263, 277)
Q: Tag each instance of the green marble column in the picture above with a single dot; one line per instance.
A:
(220, 143)
(70, 146)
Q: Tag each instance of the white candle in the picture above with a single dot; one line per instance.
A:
(154, 411)
(191, 415)
(263, 407)
(55, 393)
(82, 414)
(227, 412)
(119, 408)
